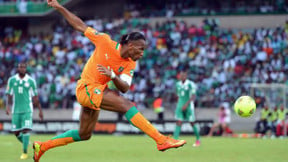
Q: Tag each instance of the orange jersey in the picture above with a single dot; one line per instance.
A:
(107, 54)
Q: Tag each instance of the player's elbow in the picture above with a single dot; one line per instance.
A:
(124, 90)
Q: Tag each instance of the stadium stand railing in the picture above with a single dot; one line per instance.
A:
(31, 8)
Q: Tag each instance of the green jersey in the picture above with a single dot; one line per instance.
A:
(22, 91)
(185, 90)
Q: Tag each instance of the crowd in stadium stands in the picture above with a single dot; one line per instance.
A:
(169, 8)
(21, 0)
(135, 8)
(221, 62)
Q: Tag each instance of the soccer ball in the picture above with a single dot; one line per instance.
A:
(245, 106)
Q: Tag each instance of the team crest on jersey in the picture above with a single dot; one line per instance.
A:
(132, 72)
(15, 84)
(97, 91)
(26, 84)
(121, 68)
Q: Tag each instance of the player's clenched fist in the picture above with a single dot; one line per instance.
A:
(53, 3)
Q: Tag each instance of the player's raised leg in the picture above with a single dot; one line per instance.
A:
(113, 102)
(88, 120)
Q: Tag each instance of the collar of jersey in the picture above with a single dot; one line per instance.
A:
(25, 77)
(186, 82)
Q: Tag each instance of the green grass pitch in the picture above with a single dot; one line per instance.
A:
(109, 148)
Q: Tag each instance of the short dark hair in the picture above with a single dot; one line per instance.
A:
(183, 71)
(131, 37)
(22, 63)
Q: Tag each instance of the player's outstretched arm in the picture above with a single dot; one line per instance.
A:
(73, 20)
(37, 103)
(8, 104)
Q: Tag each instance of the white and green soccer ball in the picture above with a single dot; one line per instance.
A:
(245, 106)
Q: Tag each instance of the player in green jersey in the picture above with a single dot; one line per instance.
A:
(22, 93)
(186, 92)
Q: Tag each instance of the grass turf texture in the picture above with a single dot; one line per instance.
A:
(142, 149)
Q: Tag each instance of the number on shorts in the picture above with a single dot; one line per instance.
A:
(27, 123)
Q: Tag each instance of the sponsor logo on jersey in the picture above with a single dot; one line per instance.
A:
(26, 84)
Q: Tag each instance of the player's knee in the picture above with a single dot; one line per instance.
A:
(16, 133)
(125, 106)
(85, 135)
(25, 131)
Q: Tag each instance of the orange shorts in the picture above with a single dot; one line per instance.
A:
(90, 95)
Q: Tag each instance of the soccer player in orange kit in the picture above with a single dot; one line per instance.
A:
(109, 61)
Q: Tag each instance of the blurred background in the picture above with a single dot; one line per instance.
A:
(230, 48)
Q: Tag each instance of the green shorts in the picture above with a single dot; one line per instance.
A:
(21, 121)
(187, 115)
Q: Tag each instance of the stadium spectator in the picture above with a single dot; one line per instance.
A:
(22, 6)
(158, 108)
(261, 125)
(281, 122)
(203, 7)
(224, 119)
(272, 119)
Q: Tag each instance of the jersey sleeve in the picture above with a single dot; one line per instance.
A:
(9, 89)
(96, 37)
(33, 89)
(128, 73)
(193, 87)
(129, 70)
